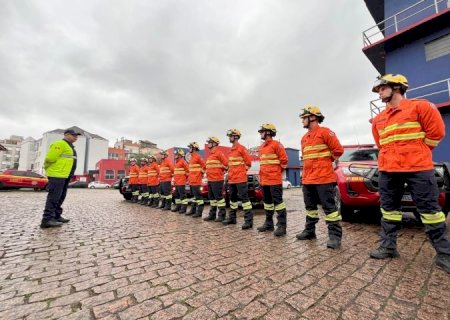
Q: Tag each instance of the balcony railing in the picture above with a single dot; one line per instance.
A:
(436, 92)
(402, 19)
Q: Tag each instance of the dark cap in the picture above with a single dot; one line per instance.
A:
(72, 132)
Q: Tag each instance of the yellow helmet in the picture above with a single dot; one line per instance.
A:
(396, 81)
(194, 145)
(233, 132)
(151, 156)
(180, 152)
(268, 127)
(163, 153)
(213, 139)
(132, 159)
(312, 110)
(144, 159)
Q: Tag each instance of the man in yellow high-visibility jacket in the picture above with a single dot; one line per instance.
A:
(60, 164)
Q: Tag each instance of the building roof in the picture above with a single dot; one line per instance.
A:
(2, 148)
(78, 129)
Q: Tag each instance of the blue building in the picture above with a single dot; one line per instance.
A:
(412, 37)
(293, 166)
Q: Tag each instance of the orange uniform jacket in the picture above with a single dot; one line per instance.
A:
(196, 169)
(319, 149)
(181, 172)
(165, 170)
(273, 160)
(143, 171)
(134, 174)
(406, 135)
(153, 172)
(216, 165)
(238, 163)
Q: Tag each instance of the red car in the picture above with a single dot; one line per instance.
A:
(15, 179)
(357, 183)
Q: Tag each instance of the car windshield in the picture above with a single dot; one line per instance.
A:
(359, 155)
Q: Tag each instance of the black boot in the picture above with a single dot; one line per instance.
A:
(211, 214)
(221, 215)
(309, 232)
(52, 223)
(383, 253)
(443, 260)
(268, 223)
(150, 202)
(334, 234)
(231, 218)
(155, 202)
(168, 205)
(176, 208)
(144, 201)
(281, 223)
(193, 209)
(162, 204)
(183, 209)
(134, 198)
(199, 212)
(248, 220)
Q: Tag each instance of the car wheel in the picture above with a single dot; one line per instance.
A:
(288, 186)
(92, 187)
(347, 212)
(107, 187)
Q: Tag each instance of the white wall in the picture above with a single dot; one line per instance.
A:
(27, 154)
(98, 149)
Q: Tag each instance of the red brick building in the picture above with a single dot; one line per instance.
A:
(109, 170)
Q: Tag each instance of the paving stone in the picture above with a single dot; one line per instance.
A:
(116, 261)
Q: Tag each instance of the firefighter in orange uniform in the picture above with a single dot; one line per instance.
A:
(320, 147)
(180, 175)
(238, 163)
(165, 178)
(134, 180)
(273, 161)
(153, 182)
(216, 164)
(406, 132)
(196, 169)
(143, 189)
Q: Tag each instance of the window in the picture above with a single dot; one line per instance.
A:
(109, 174)
(437, 48)
(120, 174)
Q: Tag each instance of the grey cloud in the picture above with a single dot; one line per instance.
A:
(176, 71)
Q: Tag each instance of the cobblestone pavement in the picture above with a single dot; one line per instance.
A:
(117, 260)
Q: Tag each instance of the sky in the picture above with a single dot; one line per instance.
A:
(176, 71)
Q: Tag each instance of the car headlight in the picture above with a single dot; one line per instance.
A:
(356, 171)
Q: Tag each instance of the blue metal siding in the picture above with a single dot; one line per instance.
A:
(410, 61)
(410, 16)
(442, 151)
(294, 158)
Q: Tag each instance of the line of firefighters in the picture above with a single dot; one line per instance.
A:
(151, 178)
(405, 133)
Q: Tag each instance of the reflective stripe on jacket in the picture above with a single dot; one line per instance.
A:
(143, 171)
(197, 167)
(216, 164)
(406, 135)
(59, 160)
(238, 163)
(134, 174)
(273, 160)
(180, 172)
(320, 147)
(165, 170)
(153, 172)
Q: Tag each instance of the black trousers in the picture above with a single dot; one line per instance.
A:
(195, 190)
(180, 195)
(57, 191)
(239, 191)
(166, 191)
(215, 194)
(272, 196)
(314, 194)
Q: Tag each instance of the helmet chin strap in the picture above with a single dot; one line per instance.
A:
(308, 124)
(389, 98)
